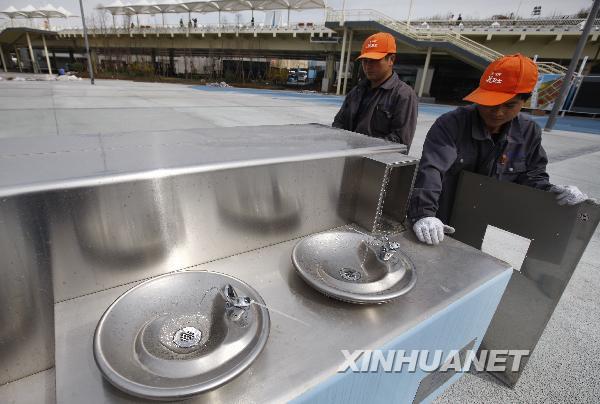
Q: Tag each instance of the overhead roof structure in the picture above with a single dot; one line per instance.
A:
(12, 12)
(47, 11)
(66, 12)
(29, 11)
(172, 6)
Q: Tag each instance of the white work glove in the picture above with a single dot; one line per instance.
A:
(431, 230)
(568, 194)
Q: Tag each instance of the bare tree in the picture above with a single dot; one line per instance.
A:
(102, 17)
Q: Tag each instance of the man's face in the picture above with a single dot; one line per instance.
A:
(498, 115)
(378, 69)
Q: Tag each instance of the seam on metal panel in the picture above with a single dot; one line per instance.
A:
(199, 264)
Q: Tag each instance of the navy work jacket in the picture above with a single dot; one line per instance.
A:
(458, 141)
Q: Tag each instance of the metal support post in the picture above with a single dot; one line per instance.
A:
(424, 75)
(564, 88)
(47, 56)
(347, 67)
(577, 83)
(18, 59)
(341, 69)
(409, 14)
(3, 60)
(87, 44)
(31, 56)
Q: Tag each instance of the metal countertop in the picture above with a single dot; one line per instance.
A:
(34, 164)
(300, 353)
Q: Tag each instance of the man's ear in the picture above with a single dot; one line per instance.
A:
(392, 58)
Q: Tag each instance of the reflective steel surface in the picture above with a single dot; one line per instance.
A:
(308, 329)
(114, 234)
(180, 334)
(383, 187)
(559, 236)
(355, 267)
(26, 297)
(134, 209)
(47, 163)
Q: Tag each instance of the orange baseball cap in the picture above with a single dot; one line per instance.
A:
(377, 46)
(503, 79)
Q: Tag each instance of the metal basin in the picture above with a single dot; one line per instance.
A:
(258, 202)
(126, 225)
(350, 266)
(180, 334)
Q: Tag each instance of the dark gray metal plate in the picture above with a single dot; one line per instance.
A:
(559, 236)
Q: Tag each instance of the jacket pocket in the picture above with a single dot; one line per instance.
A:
(464, 161)
(512, 170)
(381, 120)
(519, 166)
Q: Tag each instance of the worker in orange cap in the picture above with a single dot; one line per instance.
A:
(382, 105)
(490, 137)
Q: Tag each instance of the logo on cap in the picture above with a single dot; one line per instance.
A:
(494, 78)
(372, 44)
(377, 46)
(503, 79)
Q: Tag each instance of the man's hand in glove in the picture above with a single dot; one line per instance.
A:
(431, 230)
(568, 194)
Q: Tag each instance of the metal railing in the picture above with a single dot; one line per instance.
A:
(177, 29)
(551, 68)
(39, 24)
(411, 32)
(508, 23)
(357, 15)
(369, 14)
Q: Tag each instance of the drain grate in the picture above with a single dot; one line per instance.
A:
(187, 337)
(350, 274)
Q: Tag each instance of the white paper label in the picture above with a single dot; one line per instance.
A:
(506, 246)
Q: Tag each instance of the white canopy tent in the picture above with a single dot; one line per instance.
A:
(141, 7)
(169, 6)
(29, 12)
(137, 7)
(66, 13)
(48, 11)
(12, 13)
(117, 8)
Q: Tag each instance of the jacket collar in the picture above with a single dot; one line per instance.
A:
(512, 130)
(389, 84)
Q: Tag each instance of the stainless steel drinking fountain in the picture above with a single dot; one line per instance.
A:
(180, 334)
(359, 264)
(350, 265)
(128, 243)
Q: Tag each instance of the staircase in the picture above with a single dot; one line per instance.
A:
(454, 43)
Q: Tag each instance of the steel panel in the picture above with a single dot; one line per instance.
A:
(559, 236)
